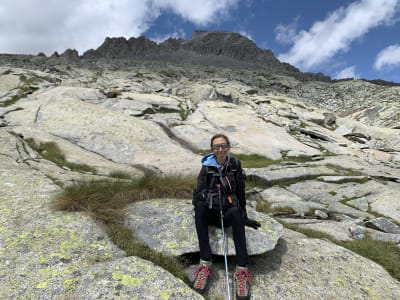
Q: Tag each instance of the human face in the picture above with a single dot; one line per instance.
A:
(220, 148)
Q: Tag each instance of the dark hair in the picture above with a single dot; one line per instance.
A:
(220, 135)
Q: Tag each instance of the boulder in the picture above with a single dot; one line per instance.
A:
(167, 225)
(276, 174)
(278, 194)
(111, 134)
(130, 278)
(335, 273)
(8, 82)
(383, 224)
(72, 153)
(326, 192)
(286, 273)
(265, 139)
(385, 202)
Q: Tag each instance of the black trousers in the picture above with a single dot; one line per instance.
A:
(232, 217)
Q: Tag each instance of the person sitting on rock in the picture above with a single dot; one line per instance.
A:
(221, 177)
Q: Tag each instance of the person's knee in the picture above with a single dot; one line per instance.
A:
(200, 209)
(235, 213)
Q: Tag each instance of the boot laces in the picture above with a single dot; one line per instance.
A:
(202, 273)
(243, 277)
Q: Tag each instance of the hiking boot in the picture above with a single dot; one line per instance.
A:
(201, 276)
(242, 283)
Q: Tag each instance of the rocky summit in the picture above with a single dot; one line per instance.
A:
(137, 107)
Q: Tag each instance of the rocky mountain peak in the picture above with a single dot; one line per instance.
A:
(228, 44)
(71, 54)
(122, 48)
(216, 48)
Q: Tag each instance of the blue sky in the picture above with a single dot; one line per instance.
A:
(358, 38)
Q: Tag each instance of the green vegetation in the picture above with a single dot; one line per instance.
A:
(52, 152)
(184, 112)
(386, 254)
(296, 159)
(203, 151)
(22, 91)
(289, 181)
(56, 181)
(339, 95)
(343, 170)
(120, 175)
(255, 160)
(12, 100)
(265, 207)
(260, 161)
(248, 160)
(251, 183)
(106, 201)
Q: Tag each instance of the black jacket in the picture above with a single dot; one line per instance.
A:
(230, 178)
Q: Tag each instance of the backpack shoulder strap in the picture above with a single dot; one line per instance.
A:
(213, 174)
(234, 162)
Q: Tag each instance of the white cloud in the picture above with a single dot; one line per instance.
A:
(178, 33)
(32, 26)
(390, 56)
(336, 33)
(199, 12)
(285, 34)
(348, 72)
(246, 34)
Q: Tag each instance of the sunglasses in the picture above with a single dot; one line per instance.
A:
(223, 146)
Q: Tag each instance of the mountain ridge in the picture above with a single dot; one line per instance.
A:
(214, 48)
(226, 49)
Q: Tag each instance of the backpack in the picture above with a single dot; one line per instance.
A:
(211, 197)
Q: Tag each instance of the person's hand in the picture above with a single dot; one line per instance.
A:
(251, 223)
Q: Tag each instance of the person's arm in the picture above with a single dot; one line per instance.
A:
(202, 179)
(240, 188)
(200, 193)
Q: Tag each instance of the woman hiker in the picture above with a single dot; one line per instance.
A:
(222, 174)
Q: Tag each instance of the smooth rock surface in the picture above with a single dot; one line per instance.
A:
(167, 225)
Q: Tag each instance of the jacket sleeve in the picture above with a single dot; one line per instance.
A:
(200, 193)
(240, 188)
(202, 180)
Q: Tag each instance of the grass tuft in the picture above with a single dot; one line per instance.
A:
(255, 160)
(51, 151)
(386, 254)
(248, 160)
(266, 208)
(120, 175)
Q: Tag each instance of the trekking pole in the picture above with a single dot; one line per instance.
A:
(225, 242)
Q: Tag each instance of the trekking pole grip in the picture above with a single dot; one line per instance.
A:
(219, 196)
